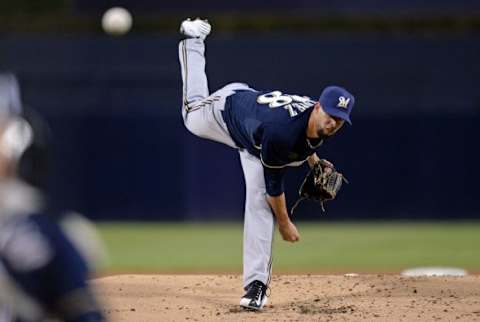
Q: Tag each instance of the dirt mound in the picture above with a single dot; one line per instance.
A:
(153, 298)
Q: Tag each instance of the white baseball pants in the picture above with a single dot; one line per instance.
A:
(202, 116)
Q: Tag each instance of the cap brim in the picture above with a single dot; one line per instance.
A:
(339, 114)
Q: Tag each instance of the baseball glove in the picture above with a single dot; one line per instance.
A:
(321, 184)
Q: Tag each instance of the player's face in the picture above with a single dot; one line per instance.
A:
(327, 125)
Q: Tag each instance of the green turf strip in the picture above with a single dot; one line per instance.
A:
(324, 247)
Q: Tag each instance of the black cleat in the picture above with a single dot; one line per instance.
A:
(256, 297)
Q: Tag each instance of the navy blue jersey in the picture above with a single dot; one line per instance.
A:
(43, 262)
(271, 126)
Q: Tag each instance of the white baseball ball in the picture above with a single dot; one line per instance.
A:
(117, 21)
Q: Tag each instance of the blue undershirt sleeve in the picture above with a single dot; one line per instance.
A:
(274, 181)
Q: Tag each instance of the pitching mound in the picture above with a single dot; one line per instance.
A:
(153, 298)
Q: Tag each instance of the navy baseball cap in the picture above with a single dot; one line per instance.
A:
(337, 101)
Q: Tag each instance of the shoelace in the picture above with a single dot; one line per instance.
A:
(258, 290)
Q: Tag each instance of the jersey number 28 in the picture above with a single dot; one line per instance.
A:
(294, 104)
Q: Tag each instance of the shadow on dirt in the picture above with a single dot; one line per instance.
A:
(304, 308)
(313, 309)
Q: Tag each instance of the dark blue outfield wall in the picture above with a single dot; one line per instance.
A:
(121, 150)
(187, 7)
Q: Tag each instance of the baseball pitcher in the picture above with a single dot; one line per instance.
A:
(272, 131)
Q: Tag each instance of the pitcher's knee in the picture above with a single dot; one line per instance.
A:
(196, 128)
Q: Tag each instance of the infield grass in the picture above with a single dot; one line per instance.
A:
(324, 247)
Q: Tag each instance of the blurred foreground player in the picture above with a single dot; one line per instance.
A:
(272, 131)
(43, 274)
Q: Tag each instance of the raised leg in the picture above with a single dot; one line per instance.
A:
(191, 54)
